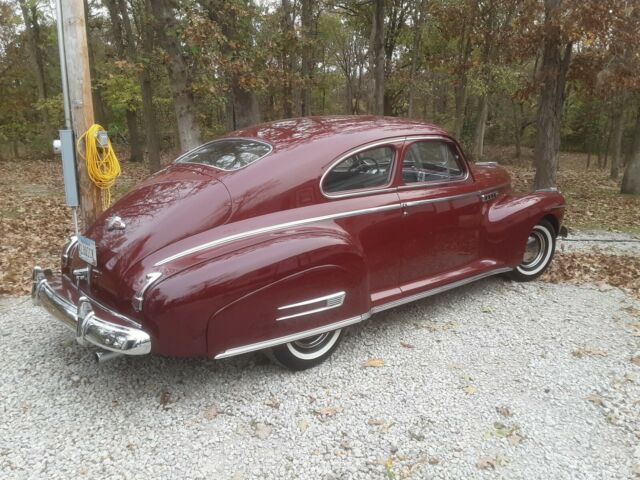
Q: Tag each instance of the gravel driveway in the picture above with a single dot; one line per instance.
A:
(493, 380)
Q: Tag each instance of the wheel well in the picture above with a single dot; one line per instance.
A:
(554, 223)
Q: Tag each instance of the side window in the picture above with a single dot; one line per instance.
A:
(431, 161)
(367, 169)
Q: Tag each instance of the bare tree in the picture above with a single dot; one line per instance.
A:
(378, 55)
(167, 29)
(631, 178)
(123, 38)
(556, 57)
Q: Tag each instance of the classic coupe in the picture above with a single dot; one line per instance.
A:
(279, 236)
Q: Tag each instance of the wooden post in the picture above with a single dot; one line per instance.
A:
(79, 80)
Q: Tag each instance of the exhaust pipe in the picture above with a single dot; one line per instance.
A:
(102, 356)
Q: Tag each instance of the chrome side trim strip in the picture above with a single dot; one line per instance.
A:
(138, 298)
(291, 338)
(272, 228)
(435, 291)
(67, 249)
(314, 300)
(439, 199)
(307, 221)
(334, 300)
(350, 321)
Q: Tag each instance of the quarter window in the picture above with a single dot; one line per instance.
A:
(368, 169)
(227, 154)
(431, 161)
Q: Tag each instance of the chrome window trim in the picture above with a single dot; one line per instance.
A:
(456, 180)
(334, 300)
(353, 320)
(307, 221)
(249, 139)
(354, 151)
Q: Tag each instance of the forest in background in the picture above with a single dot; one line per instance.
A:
(168, 74)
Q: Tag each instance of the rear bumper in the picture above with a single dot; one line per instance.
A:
(82, 319)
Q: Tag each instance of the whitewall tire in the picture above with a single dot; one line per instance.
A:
(307, 352)
(538, 253)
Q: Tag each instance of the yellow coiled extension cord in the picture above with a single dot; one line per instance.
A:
(102, 165)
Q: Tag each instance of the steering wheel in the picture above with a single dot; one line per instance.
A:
(364, 164)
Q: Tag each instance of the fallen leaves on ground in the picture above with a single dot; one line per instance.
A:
(595, 267)
(487, 463)
(328, 411)
(34, 220)
(595, 399)
(504, 411)
(470, 390)
(593, 198)
(373, 363)
(211, 412)
(588, 352)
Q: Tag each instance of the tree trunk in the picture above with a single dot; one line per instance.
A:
(417, 40)
(34, 42)
(554, 69)
(148, 108)
(179, 75)
(287, 48)
(460, 87)
(618, 130)
(481, 124)
(96, 94)
(378, 56)
(125, 51)
(246, 110)
(631, 178)
(308, 62)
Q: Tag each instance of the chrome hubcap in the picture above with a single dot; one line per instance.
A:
(310, 343)
(534, 251)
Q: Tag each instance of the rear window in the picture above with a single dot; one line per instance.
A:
(227, 154)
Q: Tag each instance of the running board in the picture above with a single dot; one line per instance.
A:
(252, 347)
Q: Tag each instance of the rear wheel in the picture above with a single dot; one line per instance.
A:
(307, 352)
(541, 245)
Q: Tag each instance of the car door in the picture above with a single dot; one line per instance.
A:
(362, 181)
(441, 213)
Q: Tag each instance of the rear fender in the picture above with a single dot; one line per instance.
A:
(510, 219)
(233, 299)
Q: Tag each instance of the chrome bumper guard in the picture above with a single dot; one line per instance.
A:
(81, 318)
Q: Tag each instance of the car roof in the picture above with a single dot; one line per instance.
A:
(341, 132)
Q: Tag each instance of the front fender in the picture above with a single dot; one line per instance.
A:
(509, 220)
(233, 299)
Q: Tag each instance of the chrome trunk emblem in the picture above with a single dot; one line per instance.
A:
(115, 223)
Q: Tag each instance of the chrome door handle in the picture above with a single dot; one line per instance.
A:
(486, 197)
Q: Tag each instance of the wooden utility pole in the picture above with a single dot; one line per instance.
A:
(79, 81)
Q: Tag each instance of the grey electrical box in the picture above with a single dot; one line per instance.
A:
(67, 149)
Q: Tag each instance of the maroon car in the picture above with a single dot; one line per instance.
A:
(281, 235)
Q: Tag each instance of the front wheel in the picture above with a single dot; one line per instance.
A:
(307, 352)
(541, 245)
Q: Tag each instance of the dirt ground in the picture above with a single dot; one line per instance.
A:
(35, 222)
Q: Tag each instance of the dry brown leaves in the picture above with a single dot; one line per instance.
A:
(34, 220)
(598, 268)
(594, 200)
